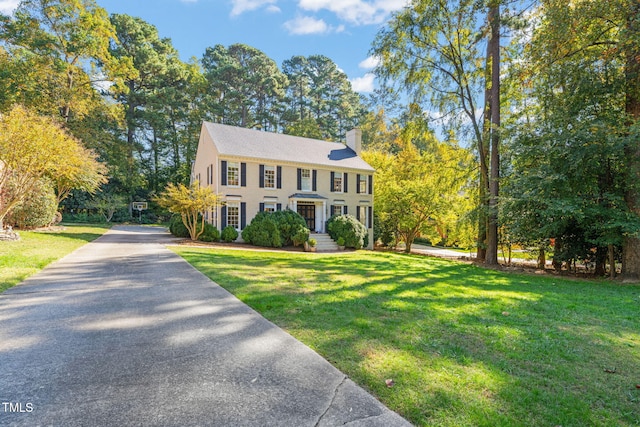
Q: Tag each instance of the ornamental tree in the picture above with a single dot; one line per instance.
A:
(31, 147)
(190, 203)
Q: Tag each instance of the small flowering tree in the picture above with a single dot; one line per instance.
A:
(190, 203)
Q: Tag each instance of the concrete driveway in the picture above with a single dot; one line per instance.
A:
(124, 332)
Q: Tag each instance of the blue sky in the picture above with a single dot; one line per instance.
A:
(342, 30)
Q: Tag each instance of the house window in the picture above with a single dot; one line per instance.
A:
(336, 185)
(233, 174)
(269, 207)
(233, 214)
(362, 184)
(362, 215)
(305, 179)
(269, 177)
(336, 210)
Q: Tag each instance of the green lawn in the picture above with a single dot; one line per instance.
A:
(465, 346)
(35, 250)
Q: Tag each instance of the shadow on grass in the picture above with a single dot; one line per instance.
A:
(465, 345)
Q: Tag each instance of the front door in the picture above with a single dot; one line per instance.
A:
(308, 212)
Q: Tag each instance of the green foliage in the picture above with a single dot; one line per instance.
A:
(211, 234)
(251, 84)
(191, 203)
(107, 204)
(320, 98)
(229, 234)
(288, 223)
(37, 209)
(383, 230)
(31, 147)
(301, 235)
(263, 231)
(348, 228)
(177, 227)
(276, 229)
(410, 198)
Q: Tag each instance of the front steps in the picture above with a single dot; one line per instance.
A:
(325, 243)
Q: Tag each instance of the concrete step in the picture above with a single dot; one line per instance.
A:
(325, 243)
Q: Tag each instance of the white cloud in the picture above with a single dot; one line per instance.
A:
(241, 6)
(273, 9)
(8, 6)
(359, 12)
(369, 63)
(363, 84)
(304, 25)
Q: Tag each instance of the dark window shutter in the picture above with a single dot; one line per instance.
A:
(243, 174)
(279, 177)
(207, 175)
(261, 183)
(370, 184)
(333, 175)
(224, 216)
(345, 210)
(223, 171)
(358, 213)
(299, 187)
(261, 207)
(345, 186)
(314, 175)
(331, 211)
(358, 183)
(211, 174)
(279, 206)
(243, 215)
(370, 221)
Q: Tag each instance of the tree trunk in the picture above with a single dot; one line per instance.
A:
(130, 145)
(494, 51)
(612, 262)
(631, 244)
(601, 261)
(483, 154)
(557, 247)
(542, 259)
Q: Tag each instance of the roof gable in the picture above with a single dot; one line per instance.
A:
(277, 147)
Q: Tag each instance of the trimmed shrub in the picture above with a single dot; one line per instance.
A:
(177, 227)
(229, 234)
(288, 223)
(276, 229)
(349, 228)
(301, 235)
(262, 231)
(38, 209)
(210, 234)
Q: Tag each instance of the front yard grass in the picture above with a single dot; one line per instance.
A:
(465, 346)
(36, 249)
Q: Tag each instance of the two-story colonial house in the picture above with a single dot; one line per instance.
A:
(257, 171)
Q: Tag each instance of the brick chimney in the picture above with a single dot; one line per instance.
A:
(354, 140)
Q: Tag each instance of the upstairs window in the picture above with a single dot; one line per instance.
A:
(233, 174)
(336, 182)
(362, 184)
(269, 177)
(305, 179)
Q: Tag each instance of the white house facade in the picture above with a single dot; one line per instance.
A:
(256, 171)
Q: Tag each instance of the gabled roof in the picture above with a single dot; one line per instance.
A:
(277, 147)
